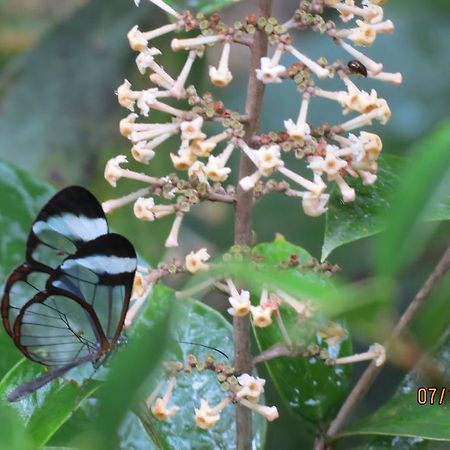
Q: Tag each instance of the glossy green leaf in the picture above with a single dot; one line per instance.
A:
(404, 416)
(12, 430)
(45, 411)
(365, 216)
(423, 184)
(308, 387)
(348, 222)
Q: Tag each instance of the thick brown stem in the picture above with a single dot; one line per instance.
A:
(243, 223)
(370, 374)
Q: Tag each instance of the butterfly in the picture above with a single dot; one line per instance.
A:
(66, 304)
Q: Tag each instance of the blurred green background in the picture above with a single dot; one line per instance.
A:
(61, 61)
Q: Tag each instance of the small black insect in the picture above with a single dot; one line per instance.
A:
(357, 67)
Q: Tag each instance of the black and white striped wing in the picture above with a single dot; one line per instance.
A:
(83, 308)
(70, 218)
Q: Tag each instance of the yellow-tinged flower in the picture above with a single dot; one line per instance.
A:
(195, 262)
(206, 417)
(250, 387)
(113, 171)
(159, 408)
(240, 303)
(144, 208)
(262, 317)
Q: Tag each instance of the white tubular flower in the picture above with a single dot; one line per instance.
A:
(268, 159)
(141, 153)
(192, 43)
(315, 68)
(376, 352)
(195, 262)
(127, 98)
(372, 145)
(140, 286)
(172, 239)
(145, 59)
(113, 171)
(300, 131)
(192, 129)
(202, 147)
(371, 65)
(240, 302)
(160, 409)
(165, 7)
(331, 164)
(144, 208)
(215, 169)
(147, 131)
(270, 413)
(126, 124)
(250, 387)
(348, 193)
(198, 170)
(269, 73)
(146, 99)
(206, 417)
(178, 88)
(222, 76)
(392, 78)
(183, 160)
(262, 316)
(314, 205)
(137, 39)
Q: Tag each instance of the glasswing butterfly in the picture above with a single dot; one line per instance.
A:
(66, 304)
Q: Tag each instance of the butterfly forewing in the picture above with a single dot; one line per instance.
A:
(71, 218)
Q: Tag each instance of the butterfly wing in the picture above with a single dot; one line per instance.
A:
(70, 218)
(83, 308)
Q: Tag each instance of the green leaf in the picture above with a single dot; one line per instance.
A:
(21, 197)
(348, 222)
(308, 387)
(45, 411)
(424, 184)
(404, 416)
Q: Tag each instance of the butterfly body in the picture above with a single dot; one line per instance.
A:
(66, 304)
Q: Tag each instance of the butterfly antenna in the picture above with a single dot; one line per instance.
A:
(205, 346)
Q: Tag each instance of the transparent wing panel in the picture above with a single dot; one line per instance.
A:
(56, 330)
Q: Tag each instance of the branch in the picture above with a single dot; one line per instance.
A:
(243, 222)
(370, 374)
(276, 351)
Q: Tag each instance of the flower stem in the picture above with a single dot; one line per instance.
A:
(243, 223)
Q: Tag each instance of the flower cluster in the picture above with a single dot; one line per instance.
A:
(242, 389)
(333, 154)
